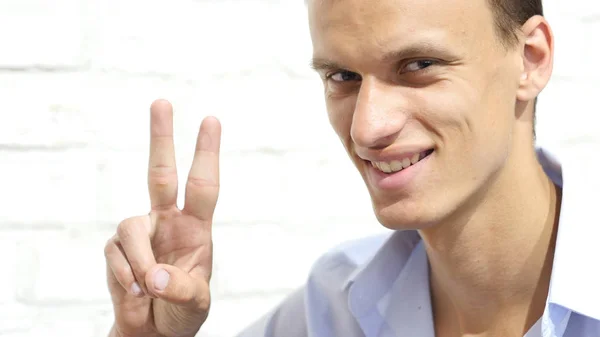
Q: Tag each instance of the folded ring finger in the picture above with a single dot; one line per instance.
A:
(116, 260)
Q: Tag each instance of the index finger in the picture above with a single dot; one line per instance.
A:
(202, 188)
(162, 171)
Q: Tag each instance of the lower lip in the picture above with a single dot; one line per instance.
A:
(398, 180)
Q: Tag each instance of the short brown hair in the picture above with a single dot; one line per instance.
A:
(510, 15)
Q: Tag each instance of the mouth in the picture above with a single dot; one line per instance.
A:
(400, 164)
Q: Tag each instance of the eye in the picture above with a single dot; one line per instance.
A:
(417, 65)
(344, 76)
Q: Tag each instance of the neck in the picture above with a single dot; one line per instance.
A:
(491, 264)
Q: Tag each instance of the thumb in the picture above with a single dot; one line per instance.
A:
(178, 287)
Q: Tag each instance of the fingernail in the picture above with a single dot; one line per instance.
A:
(135, 289)
(161, 279)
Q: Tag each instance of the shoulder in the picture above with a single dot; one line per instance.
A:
(339, 263)
(322, 293)
(352, 253)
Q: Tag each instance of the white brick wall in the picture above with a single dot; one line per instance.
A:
(76, 81)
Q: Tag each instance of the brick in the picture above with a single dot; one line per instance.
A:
(104, 322)
(294, 45)
(48, 189)
(271, 257)
(8, 281)
(259, 258)
(180, 38)
(574, 27)
(119, 107)
(57, 321)
(289, 193)
(301, 187)
(591, 47)
(17, 318)
(295, 188)
(564, 112)
(122, 190)
(46, 111)
(569, 38)
(67, 321)
(324, 188)
(112, 111)
(580, 9)
(41, 34)
(266, 112)
(62, 268)
(272, 113)
(250, 187)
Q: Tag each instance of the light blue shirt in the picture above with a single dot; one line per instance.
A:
(379, 286)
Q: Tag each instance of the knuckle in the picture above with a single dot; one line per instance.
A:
(109, 249)
(199, 182)
(124, 274)
(127, 228)
(162, 175)
(140, 268)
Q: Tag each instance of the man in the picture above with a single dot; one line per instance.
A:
(434, 102)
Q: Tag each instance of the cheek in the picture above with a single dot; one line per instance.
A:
(496, 101)
(340, 112)
(448, 110)
(497, 110)
(465, 113)
(459, 118)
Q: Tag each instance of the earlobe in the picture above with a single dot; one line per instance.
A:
(538, 55)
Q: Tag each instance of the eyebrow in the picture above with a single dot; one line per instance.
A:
(421, 49)
(321, 64)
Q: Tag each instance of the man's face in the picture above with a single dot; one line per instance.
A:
(422, 85)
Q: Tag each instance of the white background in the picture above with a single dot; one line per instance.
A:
(76, 81)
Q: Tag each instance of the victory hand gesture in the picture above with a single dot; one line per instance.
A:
(159, 265)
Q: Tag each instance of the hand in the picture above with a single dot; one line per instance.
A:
(159, 265)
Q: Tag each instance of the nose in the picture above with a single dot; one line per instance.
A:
(379, 115)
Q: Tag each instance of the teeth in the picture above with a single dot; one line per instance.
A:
(385, 167)
(397, 165)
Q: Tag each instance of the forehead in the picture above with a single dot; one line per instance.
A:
(381, 24)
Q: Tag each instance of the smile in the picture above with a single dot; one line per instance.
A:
(401, 163)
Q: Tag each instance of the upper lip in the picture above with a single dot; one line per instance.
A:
(390, 155)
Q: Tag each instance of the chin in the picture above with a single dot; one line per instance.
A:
(405, 215)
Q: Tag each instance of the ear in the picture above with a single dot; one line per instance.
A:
(538, 58)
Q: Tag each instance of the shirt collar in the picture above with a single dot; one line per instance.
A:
(574, 280)
(373, 279)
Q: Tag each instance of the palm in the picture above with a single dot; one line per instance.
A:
(182, 241)
(169, 239)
